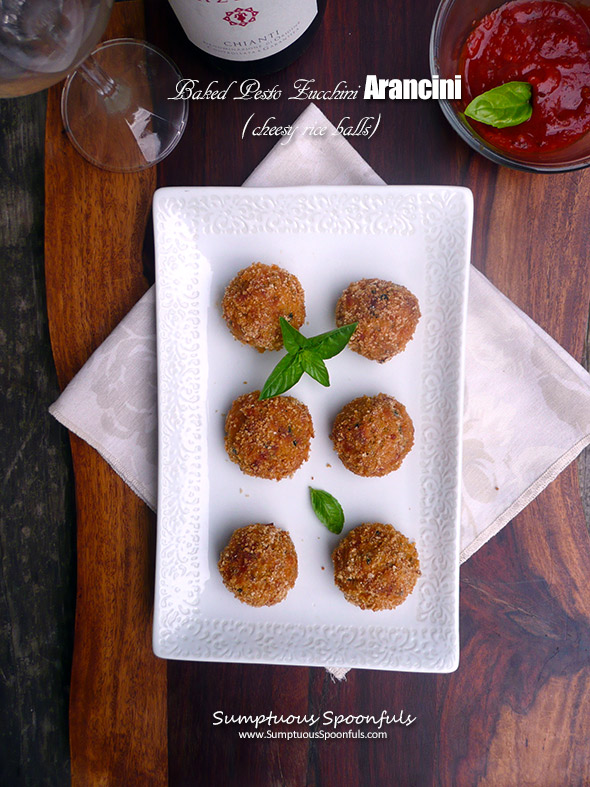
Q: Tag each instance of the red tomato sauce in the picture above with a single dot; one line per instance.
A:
(547, 44)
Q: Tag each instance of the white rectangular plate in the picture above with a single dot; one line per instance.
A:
(327, 236)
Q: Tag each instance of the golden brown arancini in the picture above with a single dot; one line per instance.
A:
(255, 299)
(375, 566)
(269, 438)
(259, 564)
(372, 435)
(386, 313)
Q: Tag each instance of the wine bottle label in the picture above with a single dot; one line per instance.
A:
(244, 29)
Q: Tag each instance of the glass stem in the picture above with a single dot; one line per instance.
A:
(97, 77)
(116, 95)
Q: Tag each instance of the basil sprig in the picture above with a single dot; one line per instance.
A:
(305, 355)
(503, 106)
(286, 373)
(327, 509)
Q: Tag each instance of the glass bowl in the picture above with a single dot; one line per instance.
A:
(453, 22)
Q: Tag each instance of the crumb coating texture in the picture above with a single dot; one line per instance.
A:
(387, 316)
(259, 564)
(372, 435)
(255, 299)
(270, 438)
(375, 566)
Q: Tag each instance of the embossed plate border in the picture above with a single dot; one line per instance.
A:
(184, 220)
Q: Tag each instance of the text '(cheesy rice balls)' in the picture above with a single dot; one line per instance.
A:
(376, 566)
(269, 438)
(259, 564)
(387, 315)
(372, 435)
(255, 299)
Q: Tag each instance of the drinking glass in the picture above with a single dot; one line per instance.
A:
(115, 106)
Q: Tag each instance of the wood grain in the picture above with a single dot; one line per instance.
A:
(513, 712)
(37, 550)
(95, 223)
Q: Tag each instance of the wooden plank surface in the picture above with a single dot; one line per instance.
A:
(94, 228)
(37, 549)
(515, 711)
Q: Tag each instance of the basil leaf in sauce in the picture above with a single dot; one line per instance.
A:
(503, 106)
(327, 509)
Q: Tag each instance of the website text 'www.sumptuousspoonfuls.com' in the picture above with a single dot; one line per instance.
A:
(325, 735)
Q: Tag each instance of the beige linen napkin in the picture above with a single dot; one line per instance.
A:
(510, 452)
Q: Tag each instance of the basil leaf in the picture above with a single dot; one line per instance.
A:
(329, 344)
(315, 367)
(305, 355)
(327, 509)
(503, 106)
(292, 339)
(286, 373)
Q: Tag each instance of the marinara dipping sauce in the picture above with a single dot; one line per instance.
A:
(547, 44)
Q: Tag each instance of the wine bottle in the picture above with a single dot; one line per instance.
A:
(249, 37)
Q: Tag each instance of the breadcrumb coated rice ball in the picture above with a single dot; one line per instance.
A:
(376, 566)
(269, 438)
(259, 564)
(255, 299)
(372, 435)
(387, 315)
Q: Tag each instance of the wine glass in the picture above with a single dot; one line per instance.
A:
(115, 106)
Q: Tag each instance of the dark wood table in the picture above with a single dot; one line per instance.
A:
(516, 710)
